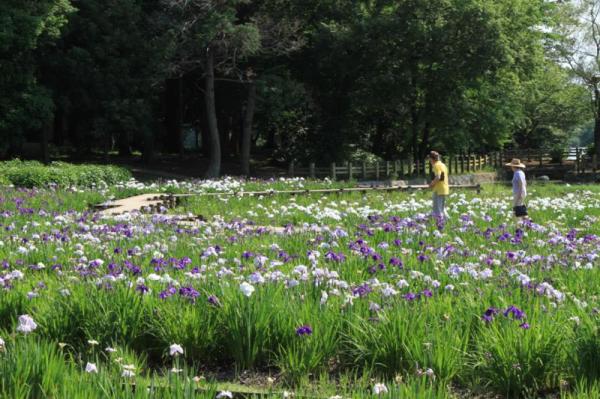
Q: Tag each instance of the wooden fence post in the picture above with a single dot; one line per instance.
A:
(311, 170)
(349, 170)
(450, 164)
(388, 169)
(291, 169)
(417, 167)
(462, 163)
(397, 169)
(333, 176)
(364, 170)
(577, 160)
(377, 170)
(401, 168)
(541, 157)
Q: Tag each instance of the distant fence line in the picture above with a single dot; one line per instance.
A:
(457, 164)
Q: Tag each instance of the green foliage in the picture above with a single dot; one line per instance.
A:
(517, 362)
(35, 368)
(26, 26)
(114, 60)
(553, 108)
(390, 77)
(35, 174)
(356, 340)
(400, 77)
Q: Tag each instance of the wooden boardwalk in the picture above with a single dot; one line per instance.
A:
(154, 201)
(130, 204)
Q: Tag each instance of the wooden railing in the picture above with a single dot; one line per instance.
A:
(456, 164)
(389, 169)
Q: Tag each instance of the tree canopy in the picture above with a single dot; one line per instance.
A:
(311, 80)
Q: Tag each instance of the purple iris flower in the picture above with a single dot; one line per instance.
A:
(142, 289)
(189, 292)
(168, 292)
(376, 257)
(517, 313)
(304, 330)
(488, 315)
(213, 300)
(396, 262)
(332, 256)
(410, 296)
(362, 290)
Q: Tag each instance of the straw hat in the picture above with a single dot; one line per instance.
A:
(516, 163)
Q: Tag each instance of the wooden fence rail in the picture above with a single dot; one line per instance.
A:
(457, 164)
(389, 169)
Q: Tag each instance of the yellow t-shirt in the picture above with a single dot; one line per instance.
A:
(441, 187)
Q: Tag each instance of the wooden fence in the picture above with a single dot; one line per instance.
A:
(392, 169)
(457, 164)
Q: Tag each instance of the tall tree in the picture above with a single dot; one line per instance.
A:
(553, 107)
(578, 45)
(112, 55)
(409, 74)
(208, 35)
(25, 26)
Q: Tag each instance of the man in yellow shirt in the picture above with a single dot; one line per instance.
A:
(439, 185)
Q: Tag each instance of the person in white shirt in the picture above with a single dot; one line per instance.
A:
(519, 188)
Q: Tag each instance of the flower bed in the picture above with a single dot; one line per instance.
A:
(370, 298)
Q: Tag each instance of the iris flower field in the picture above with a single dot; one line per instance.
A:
(356, 296)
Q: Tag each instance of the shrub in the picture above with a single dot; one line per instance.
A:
(557, 154)
(34, 174)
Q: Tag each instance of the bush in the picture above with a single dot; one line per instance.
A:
(557, 154)
(591, 150)
(35, 174)
(360, 155)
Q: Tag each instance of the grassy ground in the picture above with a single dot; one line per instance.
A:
(377, 294)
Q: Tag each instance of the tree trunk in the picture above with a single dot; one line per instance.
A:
(247, 129)
(148, 154)
(425, 142)
(597, 127)
(59, 127)
(45, 138)
(415, 134)
(123, 144)
(174, 115)
(214, 166)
